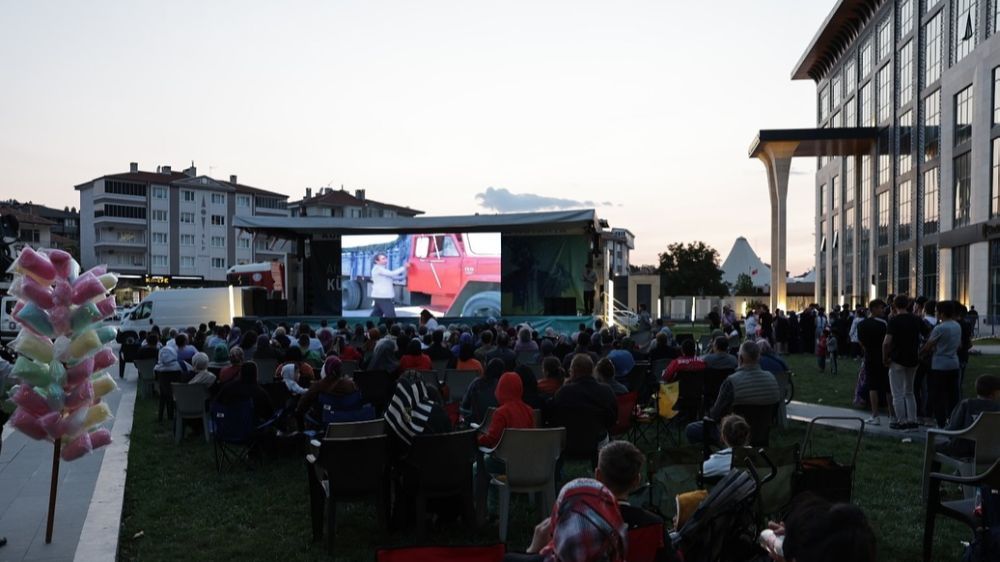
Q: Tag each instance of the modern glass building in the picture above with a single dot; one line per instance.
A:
(919, 213)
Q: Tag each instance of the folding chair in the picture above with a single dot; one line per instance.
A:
(431, 378)
(760, 418)
(375, 387)
(350, 408)
(189, 404)
(775, 494)
(232, 433)
(713, 379)
(356, 429)
(688, 405)
(644, 543)
(668, 472)
(626, 411)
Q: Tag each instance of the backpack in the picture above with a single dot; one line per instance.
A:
(986, 546)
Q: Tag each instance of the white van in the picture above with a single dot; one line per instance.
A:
(180, 308)
(8, 328)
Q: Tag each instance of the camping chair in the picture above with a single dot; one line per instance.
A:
(984, 432)
(450, 553)
(775, 494)
(189, 404)
(963, 510)
(266, 368)
(626, 411)
(657, 367)
(529, 456)
(440, 466)
(644, 543)
(668, 472)
(349, 408)
(458, 382)
(713, 379)
(376, 388)
(147, 376)
(659, 418)
(760, 418)
(232, 433)
(348, 368)
(688, 405)
(350, 469)
(277, 393)
(346, 430)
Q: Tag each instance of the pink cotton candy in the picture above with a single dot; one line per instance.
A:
(79, 372)
(62, 261)
(30, 401)
(104, 359)
(87, 287)
(106, 307)
(27, 288)
(97, 270)
(81, 396)
(36, 265)
(62, 293)
(100, 438)
(57, 425)
(77, 448)
(28, 424)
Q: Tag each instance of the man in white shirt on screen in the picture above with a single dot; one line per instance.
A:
(382, 286)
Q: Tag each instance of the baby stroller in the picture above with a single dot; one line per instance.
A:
(725, 526)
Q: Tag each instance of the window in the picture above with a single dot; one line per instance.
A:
(159, 261)
(835, 188)
(159, 238)
(187, 195)
(128, 188)
(187, 218)
(885, 94)
(824, 103)
(122, 211)
(866, 111)
(218, 241)
(270, 202)
(865, 54)
(930, 199)
(994, 287)
(187, 239)
(822, 199)
(882, 276)
(996, 16)
(996, 92)
(964, 32)
(903, 273)
(243, 242)
(884, 157)
(963, 189)
(159, 215)
(219, 220)
(850, 183)
(218, 199)
(848, 280)
(30, 235)
(242, 200)
(904, 201)
(995, 179)
(906, 74)
(932, 126)
(885, 38)
(836, 87)
(930, 275)
(187, 262)
(883, 209)
(849, 233)
(850, 113)
(850, 78)
(218, 263)
(963, 116)
(159, 192)
(930, 4)
(866, 197)
(835, 120)
(960, 274)
(905, 142)
(932, 50)
(905, 17)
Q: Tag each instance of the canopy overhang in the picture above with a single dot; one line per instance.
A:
(556, 222)
(816, 142)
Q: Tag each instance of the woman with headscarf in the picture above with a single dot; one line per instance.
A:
(236, 359)
(264, 350)
(463, 338)
(290, 376)
(331, 382)
(384, 357)
(234, 336)
(325, 338)
(467, 359)
(585, 526)
(244, 388)
(415, 358)
(345, 350)
(294, 356)
(413, 411)
(524, 341)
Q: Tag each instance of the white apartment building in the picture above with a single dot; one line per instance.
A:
(173, 224)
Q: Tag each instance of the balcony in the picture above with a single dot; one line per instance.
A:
(120, 238)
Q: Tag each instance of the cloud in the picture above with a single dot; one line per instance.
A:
(503, 201)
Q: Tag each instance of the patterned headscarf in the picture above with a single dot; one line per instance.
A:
(586, 525)
(410, 407)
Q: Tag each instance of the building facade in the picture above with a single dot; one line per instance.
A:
(920, 213)
(45, 227)
(619, 242)
(167, 224)
(329, 202)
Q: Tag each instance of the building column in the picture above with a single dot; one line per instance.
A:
(777, 159)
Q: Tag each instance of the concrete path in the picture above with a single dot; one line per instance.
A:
(89, 503)
(804, 412)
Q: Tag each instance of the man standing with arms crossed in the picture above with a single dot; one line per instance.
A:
(382, 286)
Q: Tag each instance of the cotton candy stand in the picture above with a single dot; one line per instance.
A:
(64, 354)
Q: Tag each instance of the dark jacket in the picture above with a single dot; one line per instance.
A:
(587, 409)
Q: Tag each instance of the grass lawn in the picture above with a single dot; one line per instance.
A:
(176, 506)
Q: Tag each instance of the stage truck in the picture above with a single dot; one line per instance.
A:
(455, 274)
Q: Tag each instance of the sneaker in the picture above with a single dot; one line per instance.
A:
(872, 421)
(911, 425)
(896, 425)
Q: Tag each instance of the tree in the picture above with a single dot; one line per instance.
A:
(744, 286)
(691, 269)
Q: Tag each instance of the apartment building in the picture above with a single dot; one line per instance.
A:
(329, 202)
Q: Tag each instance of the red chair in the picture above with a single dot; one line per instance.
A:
(626, 407)
(644, 543)
(490, 553)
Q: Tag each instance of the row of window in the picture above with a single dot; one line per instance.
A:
(187, 262)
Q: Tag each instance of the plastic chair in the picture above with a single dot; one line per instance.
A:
(530, 457)
(760, 418)
(376, 387)
(349, 408)
(984, 432)
(147, 376)
(356, 429)
(962, 510)
(458, 382)
(440, 466)
(265, 370)
(450, 553)
(189, 404)
(164, 380)
(232, 433)
(430, 378)
(440, 365)
(626, 411)
(349, 469)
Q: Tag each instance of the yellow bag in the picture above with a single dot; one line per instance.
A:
(667, 397)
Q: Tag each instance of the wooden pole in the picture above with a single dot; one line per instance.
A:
(53, 488)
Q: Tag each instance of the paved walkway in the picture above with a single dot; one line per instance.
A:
(804, 412)
(89, 503)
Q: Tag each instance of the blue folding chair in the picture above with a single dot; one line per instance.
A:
(232, 433)
(349, 408)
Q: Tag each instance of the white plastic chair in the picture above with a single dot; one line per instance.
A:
(147, 376)
(530, 457)
(189, 404)
(985, 431)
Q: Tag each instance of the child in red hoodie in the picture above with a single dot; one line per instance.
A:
(512, 413)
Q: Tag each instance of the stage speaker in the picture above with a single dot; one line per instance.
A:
(560, 306)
